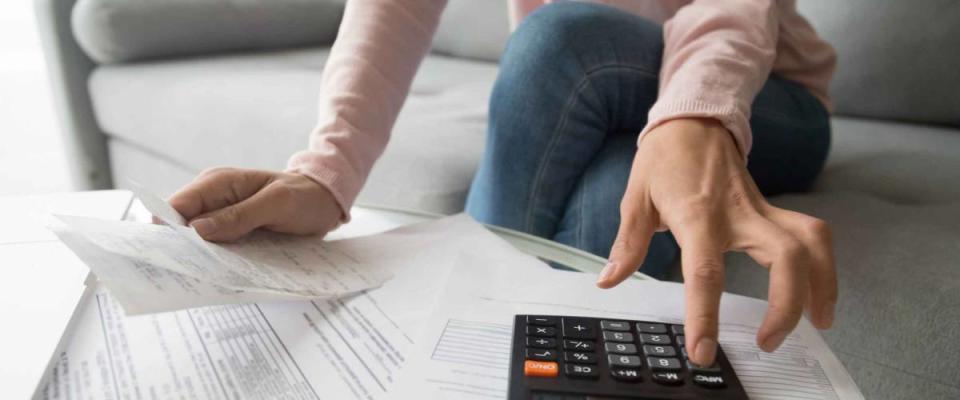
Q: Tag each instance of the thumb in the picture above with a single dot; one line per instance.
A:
(233, 222)
(637, 226)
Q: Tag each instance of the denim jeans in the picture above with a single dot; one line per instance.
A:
(576, 81)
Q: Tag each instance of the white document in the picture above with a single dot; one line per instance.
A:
(348, 348)
(464, 351)
(154, 268)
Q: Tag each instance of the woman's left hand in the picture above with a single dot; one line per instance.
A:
(689, 177)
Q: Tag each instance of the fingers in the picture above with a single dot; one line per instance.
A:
(217, 188)
(816, 237)
(628, 251)
(232, 222)
(702, 263)
(638, 221)
(789, 263)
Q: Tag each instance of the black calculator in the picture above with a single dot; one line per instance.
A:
(571, 358)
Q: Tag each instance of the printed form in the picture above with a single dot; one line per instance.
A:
(346, 348)
(464, 350)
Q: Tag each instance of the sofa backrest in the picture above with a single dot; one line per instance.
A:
(475, 29)
(899, 60)
(114, 31)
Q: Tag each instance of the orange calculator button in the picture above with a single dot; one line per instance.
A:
(546, 369)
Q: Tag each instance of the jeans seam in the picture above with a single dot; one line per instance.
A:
(555, 137)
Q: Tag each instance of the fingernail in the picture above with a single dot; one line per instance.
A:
(606, 272)
(773, 341)
(204, 226)
(706, 350)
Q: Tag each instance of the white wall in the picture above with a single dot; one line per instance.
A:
(31, 155)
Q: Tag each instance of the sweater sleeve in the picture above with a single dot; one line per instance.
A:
(366, 79)
(716, 57)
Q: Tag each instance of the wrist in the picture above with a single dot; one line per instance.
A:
(689, 135)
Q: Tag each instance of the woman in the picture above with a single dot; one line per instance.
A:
(605, 128)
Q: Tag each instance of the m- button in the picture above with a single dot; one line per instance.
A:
(577, 328)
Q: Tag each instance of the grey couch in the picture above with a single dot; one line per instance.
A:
(156, 91)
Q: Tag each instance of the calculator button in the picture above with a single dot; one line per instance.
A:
(711, 370)
(582, 345)
(648, 327)
(682, 340)
(623, 361)
(710, 381)
(663, 364)
(578, 328)
(667, 378)
(647, 338)
(617, 336)
(659, 351)
(546, 369)
(621, 326)
(620, 348)
(581, 371)
(541, 320)
(541, 331)
(541, 354)
(541, 343)
(625, 374)
(580, 357)
(677, 329)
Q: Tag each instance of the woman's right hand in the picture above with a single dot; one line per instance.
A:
(224, 204)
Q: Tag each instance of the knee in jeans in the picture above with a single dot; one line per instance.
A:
(576, 30)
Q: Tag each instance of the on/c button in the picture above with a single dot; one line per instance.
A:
(545, 369)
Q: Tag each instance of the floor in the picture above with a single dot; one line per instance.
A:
(31, 153)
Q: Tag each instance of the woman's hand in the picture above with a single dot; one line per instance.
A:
(224, 204)
(688, 177)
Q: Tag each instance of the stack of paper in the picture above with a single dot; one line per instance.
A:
(153, 267)
(440, 328)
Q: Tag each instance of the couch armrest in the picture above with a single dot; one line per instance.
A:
(112, 31)
(69, 68)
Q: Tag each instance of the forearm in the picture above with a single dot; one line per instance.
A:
(716, 58)
(365, 82)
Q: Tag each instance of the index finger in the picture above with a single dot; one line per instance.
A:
(703, 279)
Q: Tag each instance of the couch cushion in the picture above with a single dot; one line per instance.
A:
(207, 103)
(113, 31)
(900, 163)
(898, 59)
(254, 110)
(899, 309)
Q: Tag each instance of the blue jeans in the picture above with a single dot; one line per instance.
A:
(575, 84)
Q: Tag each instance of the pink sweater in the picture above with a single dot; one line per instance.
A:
(717, 56)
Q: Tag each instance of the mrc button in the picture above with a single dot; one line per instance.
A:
(710, 381)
